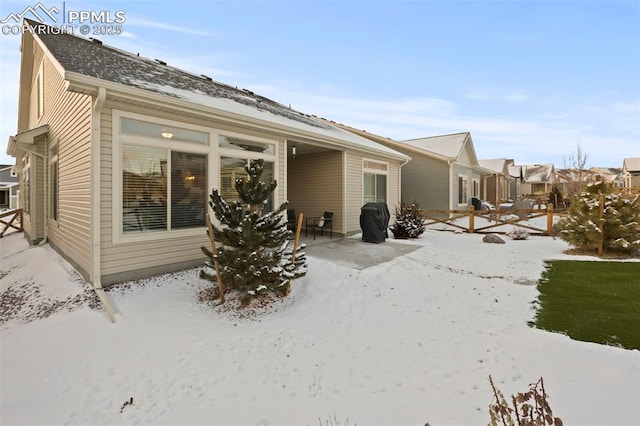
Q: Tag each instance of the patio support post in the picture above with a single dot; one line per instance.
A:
(472, 217)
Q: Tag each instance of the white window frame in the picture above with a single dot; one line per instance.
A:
(375, 171)
(118, 236)
(465, 180)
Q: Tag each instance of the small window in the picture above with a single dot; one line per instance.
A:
(246, 145)
(462, 190)
(154, 130)
(374, 181)
(476, 188)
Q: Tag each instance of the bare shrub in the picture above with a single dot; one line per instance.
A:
(527, 409)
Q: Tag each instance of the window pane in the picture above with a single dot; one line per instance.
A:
(244, 145)
(232, 169)
(381, 188)
(188, 190)
(154, 130)
(369, 188)
(144, 189)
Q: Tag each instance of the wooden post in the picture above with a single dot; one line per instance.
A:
(472, 217)
(216, 265)
(297, 239)
(549, 219)
(295, 247)
(601, 226)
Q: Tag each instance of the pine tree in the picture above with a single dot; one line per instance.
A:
(253, 248)
(620, 220)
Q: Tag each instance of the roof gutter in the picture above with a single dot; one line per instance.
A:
(96, 274)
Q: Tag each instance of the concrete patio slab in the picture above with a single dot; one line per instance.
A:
(354, 253)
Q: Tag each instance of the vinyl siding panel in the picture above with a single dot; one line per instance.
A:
(69, 117)
(315, 183)
(425, 181)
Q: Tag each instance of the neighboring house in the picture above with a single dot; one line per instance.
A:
(118, 154)
(537, 179)
(443, 173)
(497, 182)
(9, 187)
(631, 172)
(608, 174)
(515, 184)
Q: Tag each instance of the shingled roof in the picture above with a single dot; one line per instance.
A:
(95, 59)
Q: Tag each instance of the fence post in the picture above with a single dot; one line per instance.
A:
(472, 217)
(549, 219)
(601, 226)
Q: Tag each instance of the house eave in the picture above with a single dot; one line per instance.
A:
(88, 85)
(22, 141)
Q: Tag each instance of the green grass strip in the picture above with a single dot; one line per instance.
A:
(591, 301)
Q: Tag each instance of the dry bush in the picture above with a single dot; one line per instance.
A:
(527, 409)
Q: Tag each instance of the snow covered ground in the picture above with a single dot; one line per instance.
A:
(407, 342)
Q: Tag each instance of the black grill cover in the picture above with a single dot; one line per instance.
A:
(374, 221)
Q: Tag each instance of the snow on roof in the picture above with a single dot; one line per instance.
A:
(94, 59)
(446, 145)
(632, 164)
(496, 165)
(515, 171)
(538, 172)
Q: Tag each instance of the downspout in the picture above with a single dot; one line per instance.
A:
(95, 205)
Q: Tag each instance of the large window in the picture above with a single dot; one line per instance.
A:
(235, 154)
(163, 172)
(53, 176)
(374, 181)
(462, 190)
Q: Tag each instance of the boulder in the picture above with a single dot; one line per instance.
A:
(492, 239)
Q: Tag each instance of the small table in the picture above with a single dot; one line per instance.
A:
(314, 224)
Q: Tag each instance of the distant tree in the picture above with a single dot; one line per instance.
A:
(253, 254)
(575, 165)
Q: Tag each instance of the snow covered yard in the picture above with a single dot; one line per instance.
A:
(406, 342)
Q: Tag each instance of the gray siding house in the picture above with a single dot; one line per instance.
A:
(118, 153)
(9, 184)
(443, 173)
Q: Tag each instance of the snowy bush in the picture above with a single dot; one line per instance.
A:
(518, 234)
(253, 251)
(620, 220)
(409, 223)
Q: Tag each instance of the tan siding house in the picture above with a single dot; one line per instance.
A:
(121, 163)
